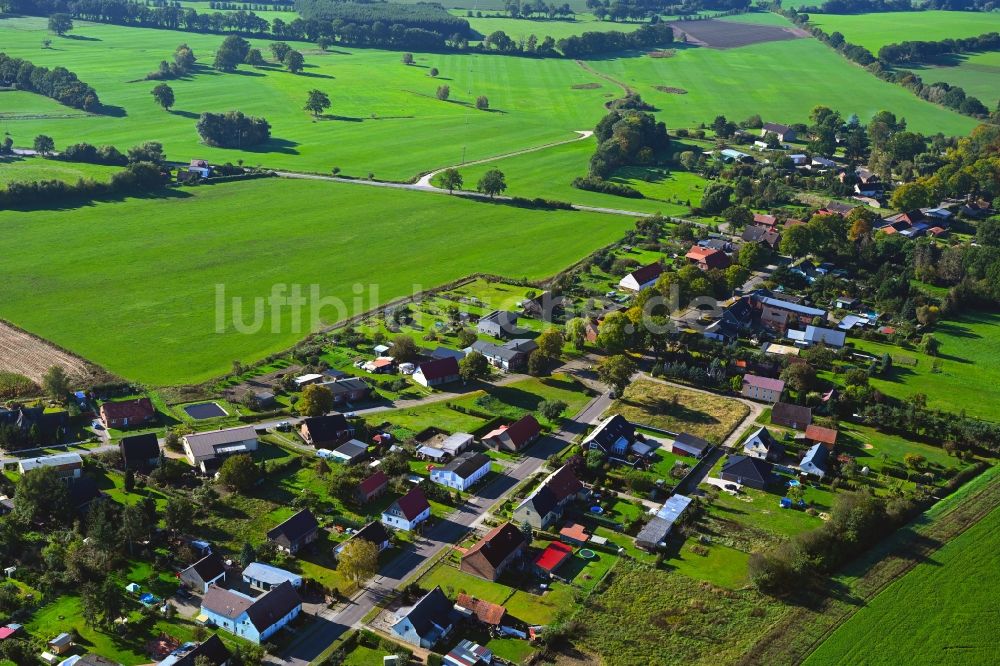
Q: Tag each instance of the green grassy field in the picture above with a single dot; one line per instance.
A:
(518, 29)
(386, 118)
(778, 80)
(969, 377)
(23, 169)
(250, 236)
(976, 73)
(873, 31)
(941, 612)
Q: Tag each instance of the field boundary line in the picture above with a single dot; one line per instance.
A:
(626, 88)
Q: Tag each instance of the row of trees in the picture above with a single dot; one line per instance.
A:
(921, 51)
(59, 84)
(594, 43)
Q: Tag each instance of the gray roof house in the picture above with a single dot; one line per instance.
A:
(511, 355)
(656, 530)
(761, 444)
(815, 461)
(207, 450)
(209, 569)
(427, 621)
(498, 324)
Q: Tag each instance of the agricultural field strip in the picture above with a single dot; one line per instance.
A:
(29, 355)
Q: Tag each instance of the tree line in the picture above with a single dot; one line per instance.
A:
(920, 51)
(59, 84)
(869, 6)
(430, 17)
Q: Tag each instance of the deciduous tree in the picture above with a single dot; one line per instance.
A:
(492, 183)
(451, 179)
(358, 561)
(616, 371)
(164, 95)
(315, 400)
(317, 102)
(239, 473)
(60, 24)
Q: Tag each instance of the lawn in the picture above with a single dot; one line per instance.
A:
(25, 169)
(942, 612)
(969, 358)
(385, 116)
(777, 80)
(341, 242)
(678, 410)
(873, 31)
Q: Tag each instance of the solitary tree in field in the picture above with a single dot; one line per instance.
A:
(44, 144)
(46, 43)
(407, 58)
(294, 62)
(323, 43)
(164, 95)
(279, 50)
(443, 93)
(434, 71)
(492, 183)
(482, 103)
(60, 24)
(451, 179)
(232, 52)
(318, 102)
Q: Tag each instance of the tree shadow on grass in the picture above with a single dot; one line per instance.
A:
(316, 75)
(166, 193)
(348, 119)
(113, 111)
(183, 114)
(246, 72)
(283, 146)
(82, 38)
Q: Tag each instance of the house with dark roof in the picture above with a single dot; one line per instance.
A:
(427, 621)
(756, 234)
(544, 306)
(515, 436)
(511, 355)
(498, 324)
(140, 452)
(815, 462)
(408, 511)
(463, 471)
(208, 450)
(641, 278)
(707, 258)
(206, 571)
(374, 533)
(791, 416)
(326, 432)
(814, 335)
(255, 620)
(350, 389)
(686, 444)
(211, 650)
(748, 471)
(127, 413)
(761, 444)
(614, 436)
(764, 389)
(437, 372)
(83, 492)
(820, 435)
(374, 486)
(50, 426)
(502, 547)
(489, 614)
(89, 659)
(350, 452)
(783, 132)
(548, 501)
(295, 533)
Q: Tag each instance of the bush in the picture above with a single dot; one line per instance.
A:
(233, 129)
(594, 184)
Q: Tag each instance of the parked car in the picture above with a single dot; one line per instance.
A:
(284, 426)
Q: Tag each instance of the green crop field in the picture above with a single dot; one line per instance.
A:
(778, 80)
(146, 308)
(969, 377)
(976, 73)
(873, 31)
(25, 169)
(942, 612)
(519, 29)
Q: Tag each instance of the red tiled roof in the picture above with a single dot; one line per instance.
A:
(373, 483)
(766, 220)
(698, 253)
(764, 382)
(574, 531)
(553, 555)
(140, 408)
(486, 612)
(412, 503)
(522, 430)
(826, 436)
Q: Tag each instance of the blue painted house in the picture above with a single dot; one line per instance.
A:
(256, 620)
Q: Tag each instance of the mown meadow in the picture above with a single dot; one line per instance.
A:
(875, 30)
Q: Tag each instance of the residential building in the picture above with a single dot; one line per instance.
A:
(127, 413)
(511, 355)
(748, 471)
(467, 653)
(777, 315)
(209, 570)
(545, 306)
(350, 452)
(462, 472)
(820, 435)
(408, 511)
(256, 620)
(140, 452)
(654, 533)
(348, 390)
(372, 487)
(88, 659)
(427, 621)
(815, 461)
(498, 324)
(707, 258)
(502, 547)
(264, 577)
(547, 503)
(783, 132)
(614, 436)
(212, 650)
(295, 533)
(50, 426)
(326, 432)
(437, 372)
(756, 234)
(515, 436)
(686, 444)
(764, 389)
(207, 450)
(489, 614)
(67, 465)
(374, 533)
(762, 445)
(765, 221)
(641, 278)
(814, 335)
(791, 416)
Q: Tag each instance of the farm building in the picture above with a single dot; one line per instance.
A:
(350, 452)
(686, 444)
(814, 335)
(372, 487)
(783, 132)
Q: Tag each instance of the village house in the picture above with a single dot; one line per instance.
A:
(792, 416)
(408, 511)
(777, 314)
(762, 445)
(707, 258)
(437, 372)
(207, 450)
(207, 571)
(819, 435)
(212, 650)
(654, 533)
(544, 306)
(127, 413)
(756, 234)
(463, 472)
(765, 221)
(783, 132)
(814, 335)
(255, 620)
(487, 613)
(498, 324)
(350, 389)
(748, 471)
(140, 452)
(641, 278)
(295, 533)
(66, 465)
(547, 503)
(264, 577)
(815, 461)
(615, 437)
(374, 533)
(510, 356)
(502, 547)
(515, 436)
(427, 621)
(326, 432)
(686, 444)
(372, 487)
(764, 389)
